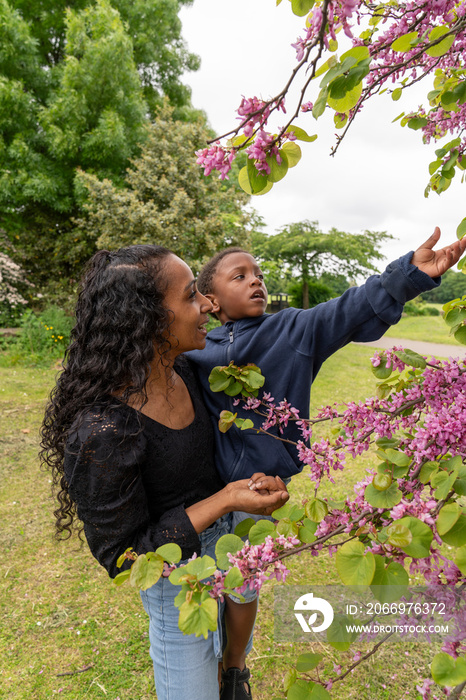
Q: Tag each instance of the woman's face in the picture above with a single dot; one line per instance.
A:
(189, 307)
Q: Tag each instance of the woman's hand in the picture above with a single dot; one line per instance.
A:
(436, 262)
(260, 495)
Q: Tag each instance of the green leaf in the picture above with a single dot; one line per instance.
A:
(456, 537)
(300, 690)
(461, 230)
(416, 123)
(226, 420)
(447, 517)
(383, 499)
(179, 576)
(218, 380)
(277, 170)
(243, 182)
(316, 510)
(382, 481)
(448, 671)
(253, 378)
(435, 165)
(234, 389)
(428, 470)
(203, 567)
(406, 42)
(443, 483)
(198, 619)
(460, 560)
(360, 53)
(244, 423)
(318, 692)
(146, 570)
(227, 544)
(338, 635)
(170, 552)
(383, 370)
(296, 513)
(309, 661)
(444, 46)
(459, 487)
(293, 153)
(347, 102)
(460, 335)
(282, 512)
(422, 538)
(290, 678)
(122, 558)
(390, 583)
(396, 94)
(397, 457)
(287, 528)
(234, 578)
(122, 577)
(455, 316)
(412, 358)
(257, 180)
(354, 567)
(302, 7)
(260, 531)
(320, 103)
(300, 134)
(399, 535)
(307, 530)
(244, 526)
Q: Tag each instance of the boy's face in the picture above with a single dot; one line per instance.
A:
(238, 288)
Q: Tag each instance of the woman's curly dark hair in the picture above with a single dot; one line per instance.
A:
(121, 323)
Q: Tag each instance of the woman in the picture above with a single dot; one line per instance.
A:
(130, 443)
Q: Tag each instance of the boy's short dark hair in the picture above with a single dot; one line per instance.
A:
(206, 276)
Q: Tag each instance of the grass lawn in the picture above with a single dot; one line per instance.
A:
(68, 632)
(431, 329)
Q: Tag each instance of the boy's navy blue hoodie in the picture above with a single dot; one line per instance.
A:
(290, 347)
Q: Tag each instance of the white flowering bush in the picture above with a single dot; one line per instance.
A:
(12, 302)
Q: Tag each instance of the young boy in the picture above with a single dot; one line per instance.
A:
(290, 347)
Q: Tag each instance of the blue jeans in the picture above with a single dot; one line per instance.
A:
(185, 666)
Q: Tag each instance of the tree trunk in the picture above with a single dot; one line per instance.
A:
(305, 294)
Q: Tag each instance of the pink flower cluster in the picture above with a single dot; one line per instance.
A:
(257, 563)
(216, 158)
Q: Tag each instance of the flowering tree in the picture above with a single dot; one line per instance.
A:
(352, 50)
(393, 530)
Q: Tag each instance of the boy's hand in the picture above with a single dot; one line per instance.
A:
(436, 262)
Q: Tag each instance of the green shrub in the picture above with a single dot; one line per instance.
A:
(10, 314)
(43, 338)
(417, 307)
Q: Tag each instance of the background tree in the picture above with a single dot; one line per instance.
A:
(77, 87)
(166, 200)
(453, 287)
(306, 252)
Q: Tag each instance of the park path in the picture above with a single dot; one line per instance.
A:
(423, 348)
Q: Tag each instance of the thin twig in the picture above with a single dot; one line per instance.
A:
(73, 673)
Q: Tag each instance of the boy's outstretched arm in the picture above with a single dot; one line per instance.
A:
(436, 262)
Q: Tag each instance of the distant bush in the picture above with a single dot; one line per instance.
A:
(417, 307)
(42, 338)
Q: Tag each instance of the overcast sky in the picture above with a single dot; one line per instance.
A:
(377, 179)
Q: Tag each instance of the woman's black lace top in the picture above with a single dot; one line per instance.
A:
(132, 478)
